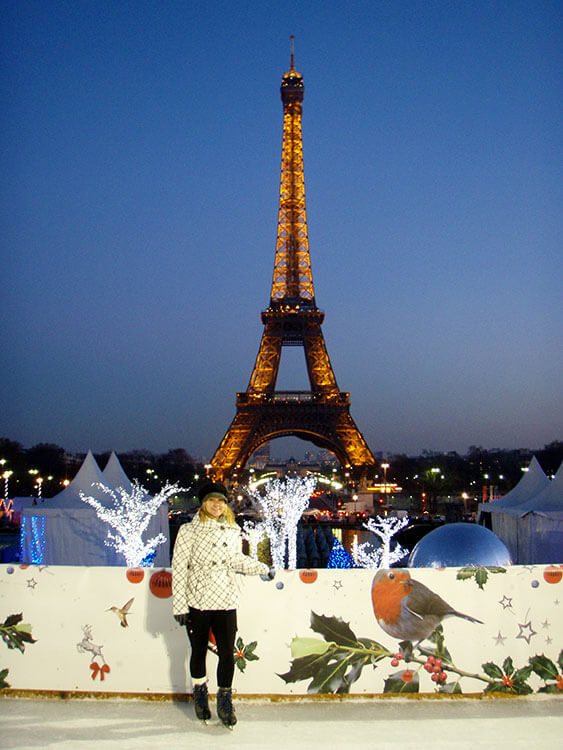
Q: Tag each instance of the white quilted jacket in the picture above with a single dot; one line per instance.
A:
(207, 556)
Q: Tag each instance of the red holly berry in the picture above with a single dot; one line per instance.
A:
(407, 675)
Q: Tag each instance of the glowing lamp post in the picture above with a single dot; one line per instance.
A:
(385, 467)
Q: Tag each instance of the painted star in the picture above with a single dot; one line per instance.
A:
(526, 636)
(545, 624)
(337, 585)
(31, 583)
(506, 602)
(499, 639)
(549, 640)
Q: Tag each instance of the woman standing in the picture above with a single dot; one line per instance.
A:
(207, 555)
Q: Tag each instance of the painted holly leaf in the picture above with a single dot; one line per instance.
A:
(376, 650)
(244, 654)
(333, 629)
(480, 573)
(547, 670)
(507, 679)
(437, 637)
(305, 667)
(402, 682)
(3, 675)
(334, 664)
(481, 577)
(492, 670)
(307, 646)
(508, 665)
(16, 633)
(544, 667)
(464, 573)
(450, 687)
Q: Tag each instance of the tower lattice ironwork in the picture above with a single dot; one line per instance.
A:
(322, 414)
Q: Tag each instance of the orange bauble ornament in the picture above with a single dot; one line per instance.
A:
(135, 575)
(308, 576)
(552, 574)
(160, 584)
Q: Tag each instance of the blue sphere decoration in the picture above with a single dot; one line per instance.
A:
(535, 584)
(279, 585)
(457, 544)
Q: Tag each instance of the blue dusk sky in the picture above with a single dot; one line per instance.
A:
(141, 148)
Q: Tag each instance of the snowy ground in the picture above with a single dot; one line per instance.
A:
(396, 723)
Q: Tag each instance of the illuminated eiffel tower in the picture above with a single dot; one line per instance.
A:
(322, 414)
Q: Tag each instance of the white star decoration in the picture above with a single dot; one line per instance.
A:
(499, 639)
(337, 585)
(506, 602)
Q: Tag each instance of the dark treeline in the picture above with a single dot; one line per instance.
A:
(501, 469)
(54, 465)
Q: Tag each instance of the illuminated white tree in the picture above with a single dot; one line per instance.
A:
(253, 532)
(366, 556)
(130, 514)
(281, 505)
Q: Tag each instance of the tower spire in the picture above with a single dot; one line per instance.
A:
(291, 57)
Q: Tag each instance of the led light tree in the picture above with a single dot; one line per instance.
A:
(130, 514)
(366, 556)
(253, 532)
(281, 505)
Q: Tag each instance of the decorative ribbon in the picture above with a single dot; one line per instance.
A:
(103, 670)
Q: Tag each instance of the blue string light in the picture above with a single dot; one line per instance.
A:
(35, 531)
(339, 557)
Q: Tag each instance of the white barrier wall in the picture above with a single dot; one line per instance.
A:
(304, 632)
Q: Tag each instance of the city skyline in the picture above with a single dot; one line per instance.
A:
(141, 176)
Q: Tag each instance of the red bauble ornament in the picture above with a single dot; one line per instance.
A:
(160, 584)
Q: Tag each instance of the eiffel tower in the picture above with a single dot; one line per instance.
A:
(322, 414)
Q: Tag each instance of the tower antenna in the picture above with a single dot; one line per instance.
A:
(291, 62)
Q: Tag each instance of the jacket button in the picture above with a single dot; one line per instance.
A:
(224, 544)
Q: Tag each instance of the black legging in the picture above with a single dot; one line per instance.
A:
(223, 623)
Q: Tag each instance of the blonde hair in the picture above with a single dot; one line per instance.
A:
(227, 515)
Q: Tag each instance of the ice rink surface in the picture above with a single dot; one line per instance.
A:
(28, 723)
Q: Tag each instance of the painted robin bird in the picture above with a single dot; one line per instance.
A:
(407, 609)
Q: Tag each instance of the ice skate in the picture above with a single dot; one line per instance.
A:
(201, 702)
(225, 709)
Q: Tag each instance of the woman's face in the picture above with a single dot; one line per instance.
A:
(215, 506)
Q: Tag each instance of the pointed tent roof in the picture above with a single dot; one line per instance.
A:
(531, 484)
(114, 474)
(549, 500)
(86, 480)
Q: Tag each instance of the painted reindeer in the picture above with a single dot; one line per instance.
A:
(87, 644)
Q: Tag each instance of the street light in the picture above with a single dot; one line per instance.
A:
(385, 467)
(6, 475)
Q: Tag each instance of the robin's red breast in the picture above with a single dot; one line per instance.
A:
(407, 609)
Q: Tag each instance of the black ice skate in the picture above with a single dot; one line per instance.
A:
(225, 707)
(201, 702)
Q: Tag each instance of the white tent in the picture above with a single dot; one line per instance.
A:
(115, 476)
(532, 482)
(539, 523)
(494, 514)
(64, 530)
